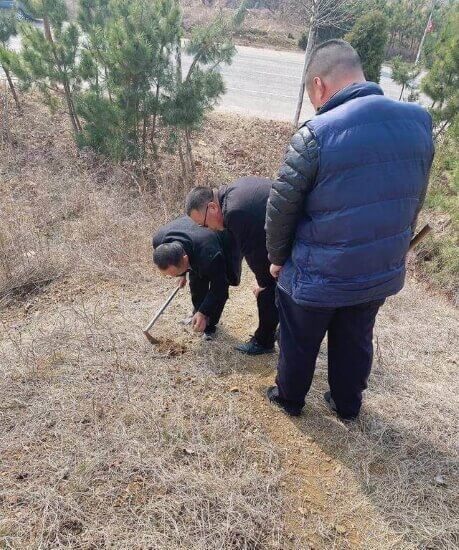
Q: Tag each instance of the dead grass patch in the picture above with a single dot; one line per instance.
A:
(108, 442)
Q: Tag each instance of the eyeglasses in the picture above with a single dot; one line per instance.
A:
(205, 216)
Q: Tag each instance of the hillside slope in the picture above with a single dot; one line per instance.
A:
(109, 442)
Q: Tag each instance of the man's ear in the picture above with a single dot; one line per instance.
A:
(320, 87)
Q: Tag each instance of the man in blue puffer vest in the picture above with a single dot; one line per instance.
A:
(339, 222)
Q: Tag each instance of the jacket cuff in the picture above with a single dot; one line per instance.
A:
(276, 260)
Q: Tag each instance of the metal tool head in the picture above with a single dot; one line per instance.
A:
(150, 338)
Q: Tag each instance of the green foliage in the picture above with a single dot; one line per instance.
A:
(443, 201)
(369, 37)
(441, 84)
(119, 68)
(7, 25)
(406, 22)
(405, 74)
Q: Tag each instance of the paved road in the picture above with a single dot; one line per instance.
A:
(265, 83)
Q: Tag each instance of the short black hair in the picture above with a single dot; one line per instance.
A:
(198, 198)
(332, 56)
(168, 254)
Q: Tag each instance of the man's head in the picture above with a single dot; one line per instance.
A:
(171, 259)
(204, 209)
(333, 65)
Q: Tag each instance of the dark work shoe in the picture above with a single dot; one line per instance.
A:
(273, 395)
(209, 334)
(332, 406)
(252, 347)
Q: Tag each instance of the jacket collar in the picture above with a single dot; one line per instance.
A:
(352, 91)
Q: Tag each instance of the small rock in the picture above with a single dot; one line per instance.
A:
(189, 451)
(234, 389)
(440, 480)
(340, 529)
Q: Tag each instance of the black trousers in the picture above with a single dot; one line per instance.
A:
(350, 350)
(268, 317)
(199, 287)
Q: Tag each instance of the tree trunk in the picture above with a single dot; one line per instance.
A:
(189, 150)
(401, 92)
(12, 88)
(47, 29)
(68, 95)
(307, 55)
(5, 130)
(421, 44)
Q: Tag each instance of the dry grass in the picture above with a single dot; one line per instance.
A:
(261, 27)
(108, 442)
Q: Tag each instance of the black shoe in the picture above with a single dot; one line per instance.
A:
(332, 406)
(252, 347)
(273, 395)
(209, 334)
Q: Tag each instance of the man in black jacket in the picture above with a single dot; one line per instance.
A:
(182, 247)
(240, 208)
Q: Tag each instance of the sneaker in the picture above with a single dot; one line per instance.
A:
(273, 395)
(252, 347)
(332, 406)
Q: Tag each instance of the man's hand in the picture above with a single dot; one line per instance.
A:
(182, 281)
(275, 270)
(256, 290)
(199, 322)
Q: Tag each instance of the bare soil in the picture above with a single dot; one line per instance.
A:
(108, 441)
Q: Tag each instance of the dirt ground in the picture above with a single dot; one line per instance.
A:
(109, 442)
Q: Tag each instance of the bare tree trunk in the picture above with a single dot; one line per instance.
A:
(5, 130)
(183, 157)
(307, 55)
(401, 92)
(182, 161)
(155, 116)
(189, 150)
(426, 30)
(12, 88)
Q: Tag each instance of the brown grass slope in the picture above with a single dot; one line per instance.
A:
(109, 442)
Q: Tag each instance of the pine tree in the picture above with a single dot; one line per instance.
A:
(49, 60)
(441, 84)
(369, 37)
(7, 30)
(404, 74)
(131, 59)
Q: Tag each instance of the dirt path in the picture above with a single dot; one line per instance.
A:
(336, 477)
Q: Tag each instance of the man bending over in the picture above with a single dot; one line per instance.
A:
(182, 247)
(240, 208)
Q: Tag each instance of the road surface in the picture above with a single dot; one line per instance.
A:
(264, 83)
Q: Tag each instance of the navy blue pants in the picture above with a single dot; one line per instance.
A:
(350, 350)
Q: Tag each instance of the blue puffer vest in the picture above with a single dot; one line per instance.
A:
(374, 160)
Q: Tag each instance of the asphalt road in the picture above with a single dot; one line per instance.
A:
(264, 83)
